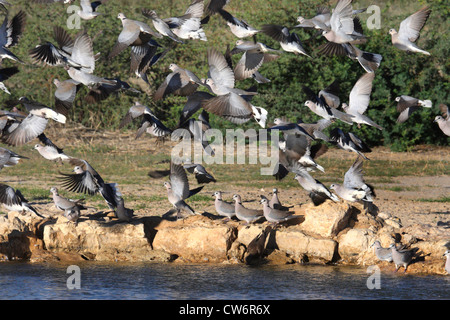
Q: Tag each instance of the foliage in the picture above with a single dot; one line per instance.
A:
(424, 77)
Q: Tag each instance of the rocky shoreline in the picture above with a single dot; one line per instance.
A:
(332, 233)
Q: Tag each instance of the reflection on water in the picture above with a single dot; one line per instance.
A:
(20, 280)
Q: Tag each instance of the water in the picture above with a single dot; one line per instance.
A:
(20, 280)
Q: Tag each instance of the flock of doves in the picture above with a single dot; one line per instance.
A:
(340, 27)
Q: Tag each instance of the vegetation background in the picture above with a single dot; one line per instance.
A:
(400, 73)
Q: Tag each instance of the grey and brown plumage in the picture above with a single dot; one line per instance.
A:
(403, 257)
(10, 33)
(406, 105)
(180, 82)
(9, 158)
(443, 121)
(409, 31)
(318, 192)
(256, 248)
(223, 208)
(229, 101)
(350, 142)
(178, 189)
(354, 188)
(383, 254)
(275, 216)
(246, 214)
(289, 41)
(87, 180)
(13, 200)
(49, 150)
(134, 33)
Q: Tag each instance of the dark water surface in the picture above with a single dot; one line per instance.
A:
(19, 280)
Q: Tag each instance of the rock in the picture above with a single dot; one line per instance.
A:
(297, 244)
(18, 238)
(195, 238)
(354, 246)
(394, 222)
(325, 220)
(110, 241)
(329, 233)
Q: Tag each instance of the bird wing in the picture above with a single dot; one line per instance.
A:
(27, 130)
(219, 69)
(46, 141)
(83, 53)
(10, 31)
(86, 6)
(230, 106)
(79, 182)
(64, 40)
(65, 96)
(179, 181)
(8, 195)
(276, 32)
(353, 178)
(360, 95)
(341, 19)
(411, 26)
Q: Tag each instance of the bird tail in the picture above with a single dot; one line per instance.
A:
(55, 116)
(260, 115)
(370, 61)
(345, 117)
(31, 209)
(201, 34)
(426, 103)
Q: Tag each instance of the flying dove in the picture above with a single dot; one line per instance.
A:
(409, 31)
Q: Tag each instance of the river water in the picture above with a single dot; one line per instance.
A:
(150, 281)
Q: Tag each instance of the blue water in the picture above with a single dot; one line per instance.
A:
(21, 280)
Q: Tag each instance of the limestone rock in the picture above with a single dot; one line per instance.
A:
(354, 246)
(296, 243)
(195, 239)
(110, 241)
(325, 220)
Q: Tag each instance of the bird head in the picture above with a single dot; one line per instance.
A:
(37, 146)
(392, 31)
(397, 99)
(237, 198)
(78, 170)
(308, 102)
(438, 119)
(121, 16)
(263, 200)
(172, 66)
(54, 190)
(167, 185)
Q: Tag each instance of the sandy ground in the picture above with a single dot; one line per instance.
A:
(403, 202)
